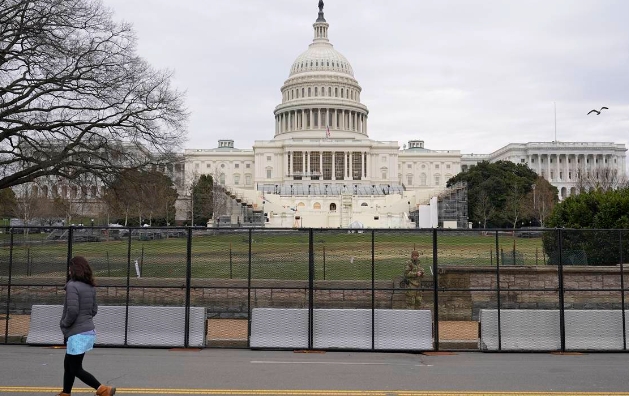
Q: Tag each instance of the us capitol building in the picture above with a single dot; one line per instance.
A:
(321, 169)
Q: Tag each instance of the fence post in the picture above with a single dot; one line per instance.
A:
(498, 301)
(435, 292)
(69, 252)
(6, 325)
(249, 292)
(562, 323)
(373, 290)
(323, 262)
(622, 294)
(311, 274)
(186, 339)
(126, 314)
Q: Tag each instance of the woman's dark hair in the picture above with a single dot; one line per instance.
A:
(80, 270)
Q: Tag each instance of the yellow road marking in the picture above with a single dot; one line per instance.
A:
(267, 392)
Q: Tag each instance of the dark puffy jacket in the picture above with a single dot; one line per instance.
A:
(78, 309)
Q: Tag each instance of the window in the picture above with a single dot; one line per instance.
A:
(423, 166)
(332, 207)
(316, 206)
(364, 204)
(196, 166)
(384, 159)
(437, 180)
(248, 166)
(248, 180)
(208, 166)
(409, 166)
(236, 179)
(222, 166)
(532, 160)
(448, 166)
(409, 179)
(268, 157)
(422, 179)
(309, 92)
(269, 173)
(522, 160)
(569, 175)
(222, 178)
(436, 166)
(236, 166)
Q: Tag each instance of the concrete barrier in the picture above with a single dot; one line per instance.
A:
(539, 330)
(147, 326)
(342, 329)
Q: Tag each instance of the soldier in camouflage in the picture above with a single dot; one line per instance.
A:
(412, 274)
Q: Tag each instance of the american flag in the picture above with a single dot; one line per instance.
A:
(327, 132)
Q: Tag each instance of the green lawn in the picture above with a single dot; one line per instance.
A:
(274, 255)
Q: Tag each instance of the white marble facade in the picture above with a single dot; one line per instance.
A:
(559, 162)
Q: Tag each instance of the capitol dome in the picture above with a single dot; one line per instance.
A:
(321, 97)
(321, 57)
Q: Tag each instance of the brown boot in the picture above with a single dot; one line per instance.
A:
(105, 390)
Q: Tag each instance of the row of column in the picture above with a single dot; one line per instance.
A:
(308, 119)
(348, 158)
(570, 164)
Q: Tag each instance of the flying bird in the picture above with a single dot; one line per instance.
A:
(598, 112)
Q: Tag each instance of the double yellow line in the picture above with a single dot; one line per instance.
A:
(278, 392)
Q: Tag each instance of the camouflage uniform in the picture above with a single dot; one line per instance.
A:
(412, 274)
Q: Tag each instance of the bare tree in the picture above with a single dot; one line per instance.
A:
(484, 208)
(541, 200)
(515, 206)
(74, 96)
(604, 179)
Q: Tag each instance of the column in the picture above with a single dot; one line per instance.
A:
(310, 118)
(303, 162)
(290, 163)
(333, 165)
(351, 165)
(345, 162)
(321, 163)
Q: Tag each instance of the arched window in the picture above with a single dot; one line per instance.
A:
(336, 92)
(236, 179)
(301, 205)
(422, 179)
(364, 204)
(316, 206)
(409, 179)
(222, 178)
(332, 207)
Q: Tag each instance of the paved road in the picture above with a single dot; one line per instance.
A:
(37, 371)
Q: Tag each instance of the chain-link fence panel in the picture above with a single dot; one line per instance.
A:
(220, 270)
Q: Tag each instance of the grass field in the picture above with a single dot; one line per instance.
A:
(274, 255)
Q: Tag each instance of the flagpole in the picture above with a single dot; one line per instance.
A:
(555, 104)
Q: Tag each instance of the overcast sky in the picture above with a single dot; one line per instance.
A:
(460, 75)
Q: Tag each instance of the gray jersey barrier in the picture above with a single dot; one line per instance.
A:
(539, 330)
(147, 326)
(394, 329)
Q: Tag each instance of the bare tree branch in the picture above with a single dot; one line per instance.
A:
(74, 96)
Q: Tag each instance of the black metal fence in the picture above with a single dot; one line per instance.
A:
(552, 289)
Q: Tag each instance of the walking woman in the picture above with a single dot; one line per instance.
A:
(77, 325)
